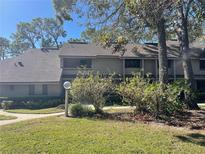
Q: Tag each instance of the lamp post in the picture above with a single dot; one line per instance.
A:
(67, 86)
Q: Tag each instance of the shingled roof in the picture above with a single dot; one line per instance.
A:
(35, 65)
(132, 50)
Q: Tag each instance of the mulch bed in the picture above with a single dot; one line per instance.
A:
(192, 119)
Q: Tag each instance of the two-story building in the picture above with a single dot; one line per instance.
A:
(40, 72)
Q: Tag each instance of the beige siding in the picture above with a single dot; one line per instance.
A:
(54, 89)
(196, 67)
(17, 91)
(178, 67)
(23, 90)
(149, 66)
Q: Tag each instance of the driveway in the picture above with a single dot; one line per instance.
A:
(22, 117)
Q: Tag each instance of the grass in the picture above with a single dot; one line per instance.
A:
(66, 135)
(202, 106)
(36, 111)
(119, 110)
(4, 117)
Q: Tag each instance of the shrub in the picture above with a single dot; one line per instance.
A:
(91, 90)
(154, 98)
(132, 92)
(79, 110)
(31, 103)
(112, 98)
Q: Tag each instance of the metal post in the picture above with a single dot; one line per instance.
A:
(67, 86)
(66, 102)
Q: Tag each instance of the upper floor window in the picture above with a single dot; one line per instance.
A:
(170, 63)
(132, 63)
(86, 63)
(75, 63)
(202, 64)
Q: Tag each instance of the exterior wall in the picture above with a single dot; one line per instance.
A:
(150, 66)
(107, 65)
(54, 90)
(18, 90)
(178, 67)
(196, 67)
(22, 90)
(101, 65)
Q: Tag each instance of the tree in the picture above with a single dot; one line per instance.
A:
(26, 33)
(121, 16)
(16, 47)
(53, 30)
(4, 47)
(197, 11)
(40, 32)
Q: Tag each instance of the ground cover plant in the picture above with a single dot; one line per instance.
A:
(73, 135)
(30, 102)
(91, 89)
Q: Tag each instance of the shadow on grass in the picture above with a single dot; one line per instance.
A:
(194, 138)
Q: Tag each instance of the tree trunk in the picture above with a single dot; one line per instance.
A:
(186, 56)
(162, 47)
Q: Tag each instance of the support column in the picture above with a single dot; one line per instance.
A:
(123, 69)
(143, 68)
(174, 62)
(156, 69)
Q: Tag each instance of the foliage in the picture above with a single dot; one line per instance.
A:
(4, 48)
(132, 91)
(154, 98)
(91, 89)
(112, 97)
(31, 103)
(43, 32)
(79, 110)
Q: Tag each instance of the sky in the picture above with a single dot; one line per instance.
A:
(14, 11)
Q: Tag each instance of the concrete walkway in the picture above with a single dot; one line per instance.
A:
(22, 117)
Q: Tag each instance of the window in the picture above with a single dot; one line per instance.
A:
(31, 89)
(202, 64)
(200, 85)
(132, 63)
(86, 63)
(45, 89)
(75, 63)
(11, 87)
(170, 63)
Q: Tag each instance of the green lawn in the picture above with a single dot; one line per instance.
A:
(119, 110)
(4, 117)
(202, 106)
(36, 111)
(65, 135)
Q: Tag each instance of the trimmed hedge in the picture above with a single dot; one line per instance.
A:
(31, 102)
(79, 110)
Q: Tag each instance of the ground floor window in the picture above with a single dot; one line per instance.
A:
(200, 85)
(132, 63)
(31, 89)
(45, 89)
